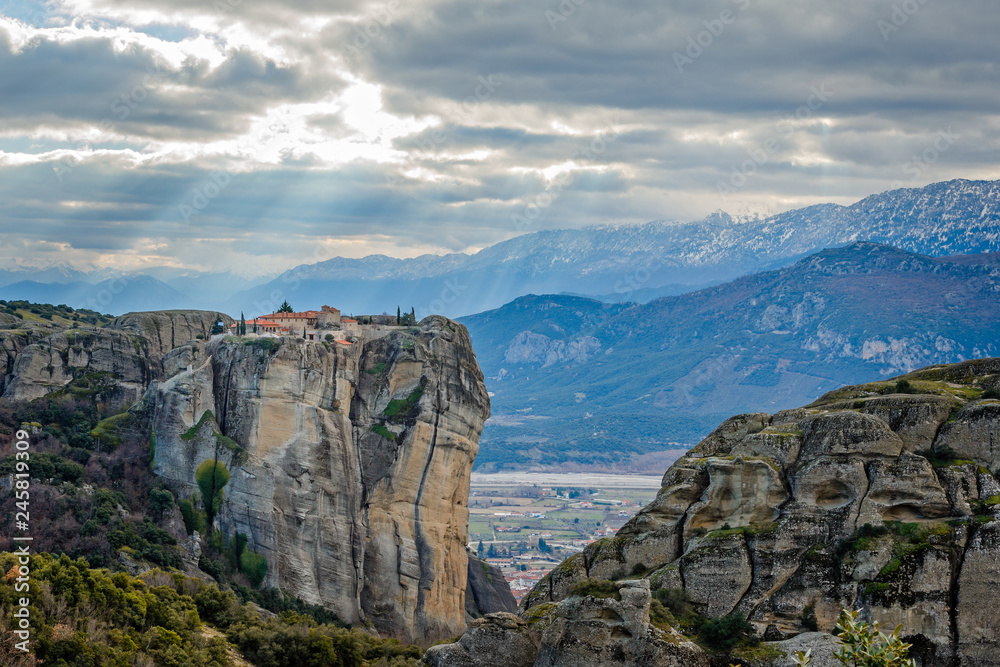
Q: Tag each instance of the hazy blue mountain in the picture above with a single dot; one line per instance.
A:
(114, 296)
(631, 262)
(614, 263)
(58, 273)
(579, 381)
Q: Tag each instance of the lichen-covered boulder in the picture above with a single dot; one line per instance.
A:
(866, 499)
(499, 639)
(614, 632)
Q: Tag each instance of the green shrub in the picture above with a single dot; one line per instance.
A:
(194, 518)
(638, 570)
(160, 500)
(659, 615)
(93, 617)
(254, 566)
(401, 409)
(598, 588)
(211, 476)
(863, 645)
(377, 370)
(723, 633)
(47, 466)
(676, 600)
(809, 621)
(383, 431)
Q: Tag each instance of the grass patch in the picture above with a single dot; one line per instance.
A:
(108, 431)
(725, 633)
(266, 344)
(944, 457)
(377, 370)
(193, 431)
(400, 409)
(383, 431)
(754, 529)
(598, 588)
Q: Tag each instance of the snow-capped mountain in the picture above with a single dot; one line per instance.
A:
(616, 263)
(630, 262)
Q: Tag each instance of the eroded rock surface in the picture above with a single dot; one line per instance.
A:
(581, 631)
(487, 590)
(114, 364)
(868, 498)
(350, 463)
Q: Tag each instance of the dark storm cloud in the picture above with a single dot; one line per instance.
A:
(619, 56)
(87, 82)
(650, 105)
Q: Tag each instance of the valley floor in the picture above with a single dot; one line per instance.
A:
(528, 523)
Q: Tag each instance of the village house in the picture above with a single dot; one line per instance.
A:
(262, 326)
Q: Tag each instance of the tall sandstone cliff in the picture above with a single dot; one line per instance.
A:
(867, 499)
(349, 463)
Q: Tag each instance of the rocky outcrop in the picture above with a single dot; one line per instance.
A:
(349, 463)
(614, 632)
(487, 590)
(113, 364)
(500, 639)
(12, 342)
(583, 630)
(868, 498)
(168, 329)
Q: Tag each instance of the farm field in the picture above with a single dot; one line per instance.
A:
(527, 523)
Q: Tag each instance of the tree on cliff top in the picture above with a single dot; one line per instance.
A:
(285, 308)
(211, 477)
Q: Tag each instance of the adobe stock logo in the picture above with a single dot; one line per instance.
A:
(698, 43)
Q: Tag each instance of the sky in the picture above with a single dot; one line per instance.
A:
(253, 136)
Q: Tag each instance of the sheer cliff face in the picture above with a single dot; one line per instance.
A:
(868, 498)
(350, 463)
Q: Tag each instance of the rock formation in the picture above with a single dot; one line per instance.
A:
(882, 497)
(604, 630)
(168, 329)
(487, 590)
(350, 463)
(115, 364)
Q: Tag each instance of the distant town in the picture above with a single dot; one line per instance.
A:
(526, 530)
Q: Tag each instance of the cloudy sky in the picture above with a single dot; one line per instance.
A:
(255, 136)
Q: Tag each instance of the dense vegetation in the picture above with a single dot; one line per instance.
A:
(96, 508)
(89, 617)
(62, 314)
(96, 493)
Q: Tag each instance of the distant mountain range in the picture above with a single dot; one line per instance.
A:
(117, 293)
(618, 263)
(633, 261)
(577, 382)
